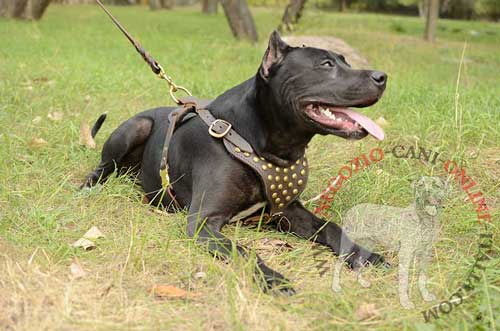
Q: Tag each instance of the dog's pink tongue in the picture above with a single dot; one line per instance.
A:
(370, 126)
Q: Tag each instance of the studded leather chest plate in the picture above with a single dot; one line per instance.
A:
(282, 184)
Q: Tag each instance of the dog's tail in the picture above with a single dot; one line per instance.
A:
(98, 124)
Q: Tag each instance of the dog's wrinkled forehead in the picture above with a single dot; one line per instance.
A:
(315, 56)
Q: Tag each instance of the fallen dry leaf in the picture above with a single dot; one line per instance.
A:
(366, 311)
(84, 243)
(87, 98)
(38, 142)
(77, 270)
(55, 116)
(86, 137)
(93, 233)
(104, 290)
(171, 292)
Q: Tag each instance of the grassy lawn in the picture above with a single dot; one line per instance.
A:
(76, 63)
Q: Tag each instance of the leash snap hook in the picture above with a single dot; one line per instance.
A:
(174, 88)
(216, 134)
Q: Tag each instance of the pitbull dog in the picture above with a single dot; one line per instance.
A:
(297, 92)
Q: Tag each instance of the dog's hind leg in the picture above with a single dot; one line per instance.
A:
(423, 259)
(122, 142)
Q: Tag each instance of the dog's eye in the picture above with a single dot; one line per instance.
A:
(328, 63)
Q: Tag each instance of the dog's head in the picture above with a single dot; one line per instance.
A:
(430, 193)
(314, 89)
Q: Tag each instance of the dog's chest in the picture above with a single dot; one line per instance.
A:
(282, 184)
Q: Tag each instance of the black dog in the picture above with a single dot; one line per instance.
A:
(297, 93)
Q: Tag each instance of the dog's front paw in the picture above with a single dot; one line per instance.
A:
(427, 296)
(362, 258)
(406, 303)
(276, 283)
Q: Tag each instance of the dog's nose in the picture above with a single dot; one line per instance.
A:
(379, 78)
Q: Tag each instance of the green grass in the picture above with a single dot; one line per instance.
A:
(75, 62)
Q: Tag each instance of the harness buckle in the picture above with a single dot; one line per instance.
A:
(216, 134)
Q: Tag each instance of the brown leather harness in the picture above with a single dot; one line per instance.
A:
(282, 184)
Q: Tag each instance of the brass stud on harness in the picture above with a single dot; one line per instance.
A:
(280, 186)
(281, 205)
(285, 170)
(273, 187)
(278, 169)
(246, 154)
(255, 159)
(302, 172)
(270, 177)
(264, 167)
(297, 162)
(269, 165)
(288, 198)
(285, 192)
(304, 163)
(237, 150)
(277, 200)
(277, 178)
(262, 158)
(274, 195)
(294, 176)
(295, 191)
(285, 179)
(292, 167)
(300, 182)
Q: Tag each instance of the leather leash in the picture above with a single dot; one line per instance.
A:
(153, 64)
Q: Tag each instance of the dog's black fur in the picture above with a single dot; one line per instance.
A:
(268, 111)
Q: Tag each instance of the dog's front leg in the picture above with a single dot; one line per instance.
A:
(300, 221)
(206, 226)
(406, 255)
(423, 257)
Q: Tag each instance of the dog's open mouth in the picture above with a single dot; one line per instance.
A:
(343, 119)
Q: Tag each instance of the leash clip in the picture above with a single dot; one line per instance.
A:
(172, 86)
(215, 134)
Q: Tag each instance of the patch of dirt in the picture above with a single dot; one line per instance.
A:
(336, 45)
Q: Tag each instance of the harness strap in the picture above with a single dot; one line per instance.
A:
(219, 128)
(189, 104)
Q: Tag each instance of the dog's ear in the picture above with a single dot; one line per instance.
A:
(275, 53)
